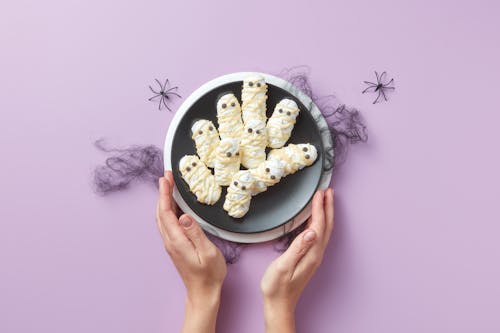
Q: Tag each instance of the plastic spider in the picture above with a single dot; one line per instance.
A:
(380, 86)
(163, 94)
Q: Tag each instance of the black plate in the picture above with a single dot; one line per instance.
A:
(280, 203)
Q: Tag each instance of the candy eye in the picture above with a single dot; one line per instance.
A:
(268, 170)
(288, 113)
(235, 183)
(280, 110)
(243, 187)
(193, 164)
(258, 84)
(188, 169)
(273, 177)
(250, 84)
(237, 153)
(307, 156)
(228, 154)
(211, 128)
(233, 104)
(304, 149)
(224, 105)
(250, 130)
(200, 132)
(258, 131)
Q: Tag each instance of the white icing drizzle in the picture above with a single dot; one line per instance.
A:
(253, 97)
(253, 143)
(200, 180)
(294, 157)
(229, 117)
(268, 173)
(239, 194)
(227, 161)
(206, 138)
(280, 125)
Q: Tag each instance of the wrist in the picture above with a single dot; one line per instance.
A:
(201, 311)
(204, 300)
(279, 316)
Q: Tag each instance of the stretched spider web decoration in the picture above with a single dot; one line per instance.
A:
(381, 86)
(164, 94)
(144, 163)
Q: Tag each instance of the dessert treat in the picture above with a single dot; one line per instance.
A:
(253, 98)
(294, 157)
(206, 138)
(239, 194)
(229, 117)
(227, 161)
(200, 180)
(280, 125)
(253, 143)
(268, 173)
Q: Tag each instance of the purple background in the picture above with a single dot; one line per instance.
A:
(416, 244)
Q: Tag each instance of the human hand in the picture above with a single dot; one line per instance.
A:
(198, 261)
(287, 276)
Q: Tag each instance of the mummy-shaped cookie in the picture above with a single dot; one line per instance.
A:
(253, 143)
(227, 161)
(239, 194)
(268, 173)
(206, 138)
(294, 157)
(229, 117)
(200, 180)
(280, 125)
(253, 98)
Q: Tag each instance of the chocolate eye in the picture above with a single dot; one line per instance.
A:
(200, 132)
(193, 164)
(188, 169)
(243, 187)
(250, 130)
(224, 105)
(233, 104)
(258, 84)
(235, 183)
(250, 84)
(307, 156)
(211, 128)
(268, 170)
(304, 149)
(273, 177)
(280, 110)
(228, 154)
(237, 153)
(258, 132)
(288, 113)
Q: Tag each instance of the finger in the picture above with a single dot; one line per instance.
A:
(317, 220)
(170, 178)
(329, 214)
(299, 247)
(166, 215)
(195, 234)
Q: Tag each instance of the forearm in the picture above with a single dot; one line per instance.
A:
(200, 314)
(279, 318)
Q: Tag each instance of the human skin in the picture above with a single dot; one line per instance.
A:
(287, 276)
(198, 261)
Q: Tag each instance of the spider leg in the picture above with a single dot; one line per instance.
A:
(366, 90)
(156, 92)
(389, 88)
(382, 76)
(150, 99)
(157, 81)
(165, 85)
(159, 104)
(174, 93)
(389, 83)
(173, 88)
(383, 94)
(165, 103)
(378, 79)
(378, 96)
(368, 82)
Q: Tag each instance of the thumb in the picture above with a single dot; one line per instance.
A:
(193, 231)
(299, 247)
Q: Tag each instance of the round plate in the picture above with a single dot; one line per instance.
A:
(283, 206)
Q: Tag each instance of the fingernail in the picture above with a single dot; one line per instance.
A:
(185, 221)
(309, 236)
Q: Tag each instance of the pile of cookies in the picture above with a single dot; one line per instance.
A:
(241, 140)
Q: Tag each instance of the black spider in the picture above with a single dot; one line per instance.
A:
(380, 86)
(163, 94)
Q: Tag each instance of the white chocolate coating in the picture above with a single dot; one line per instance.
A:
(227, 161)
(253, 143)
(280, 125)
(206, 138)
(294, 157)
(268, 173)
(239, 194)
(200, 180)
(253, 98)
(229, 117)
